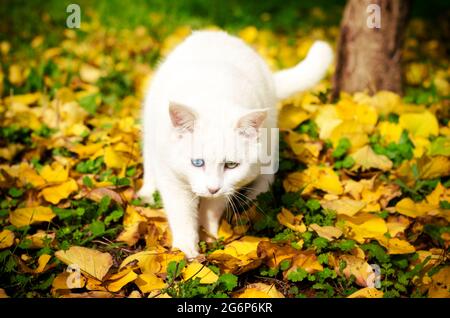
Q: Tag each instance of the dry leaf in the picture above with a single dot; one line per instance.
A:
(260, 290)
(27, 216)
(197, 270)
(91, 262)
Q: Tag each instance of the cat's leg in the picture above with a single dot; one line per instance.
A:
(260, 185)
(210, 213)
(149, 182)
(181, 207)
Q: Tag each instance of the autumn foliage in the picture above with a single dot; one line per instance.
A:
(360, 206)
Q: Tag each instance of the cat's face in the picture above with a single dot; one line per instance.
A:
(215, 158)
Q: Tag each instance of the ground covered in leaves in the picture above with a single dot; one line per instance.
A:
(360, 206)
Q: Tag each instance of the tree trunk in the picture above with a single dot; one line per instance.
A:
(369, 57)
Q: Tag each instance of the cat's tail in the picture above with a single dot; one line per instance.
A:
(307, 73)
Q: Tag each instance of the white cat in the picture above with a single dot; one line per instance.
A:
(208, 100)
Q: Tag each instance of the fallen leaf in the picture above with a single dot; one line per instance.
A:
(197, 270)
(117, 281)
(273, 254)
(294, 222)
(6, 239)
(364, 227)
(306, 260)
(367, 292)
(149, 282)
(28, 216)
(291, 116)
(420, 124)
(41, 239)
(56, 173)
(329, 232)
(3, 293)
(55, 194)
(408, 207)
(90, 261)
(365, 158)
(396, 246)
(343, 206)
(260, 290)
(440, 284)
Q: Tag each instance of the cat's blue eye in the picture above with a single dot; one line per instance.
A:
(198, 162)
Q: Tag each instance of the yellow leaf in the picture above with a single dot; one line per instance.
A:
(225, 230)
(249, 34)
(85, 151)
(25, 99)
(6, 239)
(3, 293)
(354, 131)
(113, 159)
(343, 206)
(273, 254)
(306, 260)
(149, 282)
(323, 178)
(291, 221)
(440, 284)
(238, 256)
(40, 239)
(90, 261)
(365, 158)
(306, 150)
(327, 119)
(134, 226)
(56, 193)
(55, 173)
(434, 197)
(420, 124)
(291, 116)
(434, 167)
(367, 292)
(42, 262)
(391, 132)
(16, 76)
(197, 270)
(412, 209)
(365, 227)
(27, 216)
(362, 114)
(89, 74)
(396, 246)
(397, 225)
(121, 279)
(29, 175)
(329, 232)
(260, 290)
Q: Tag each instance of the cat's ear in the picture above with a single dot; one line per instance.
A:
(249, 124)
(182, 117)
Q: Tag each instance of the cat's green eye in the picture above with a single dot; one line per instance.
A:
(231, 164)
(198, 162)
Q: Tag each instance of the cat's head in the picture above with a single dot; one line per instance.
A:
(216, 154)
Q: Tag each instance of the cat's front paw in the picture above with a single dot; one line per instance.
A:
(190, 250)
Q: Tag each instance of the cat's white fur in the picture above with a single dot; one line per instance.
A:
(210, 86)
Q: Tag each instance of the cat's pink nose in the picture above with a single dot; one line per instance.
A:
(213, 190)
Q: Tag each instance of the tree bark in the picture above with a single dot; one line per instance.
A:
(369, 58)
